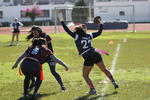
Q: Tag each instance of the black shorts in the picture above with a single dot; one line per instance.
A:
(16, 31)
(91, 57)
(30, 68)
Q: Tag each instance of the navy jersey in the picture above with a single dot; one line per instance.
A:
(83, 43)
(16, 25)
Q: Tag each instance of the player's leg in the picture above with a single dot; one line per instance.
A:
(52, 66)
(37, 85)
(12, 40)
(32, 83)
(107, 73)
(17, 38)
(26, 84)
(36, 72)
(86, 72)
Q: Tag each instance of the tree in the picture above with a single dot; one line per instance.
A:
(33, 13)
(80, 15)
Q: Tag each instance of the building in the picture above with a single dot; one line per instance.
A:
(130, 10)
(13, 8)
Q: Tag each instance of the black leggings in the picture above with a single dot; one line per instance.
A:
(52, 65)
(31, 69)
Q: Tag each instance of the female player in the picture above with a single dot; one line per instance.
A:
(37, 32)
(88, 52)
(31, 65)
(16, 24)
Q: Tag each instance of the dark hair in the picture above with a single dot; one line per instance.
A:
(41, 33)
(38, 42)
(79, 30)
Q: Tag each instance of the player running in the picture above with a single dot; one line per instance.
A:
(88, 52)
(31, 65)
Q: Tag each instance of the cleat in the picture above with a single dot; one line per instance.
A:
(92, 92)
(17, 44)
(115, 85)
(63, 89)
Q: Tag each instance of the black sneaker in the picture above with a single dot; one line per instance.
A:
(63, 89)
(115, 85)
(92, 92)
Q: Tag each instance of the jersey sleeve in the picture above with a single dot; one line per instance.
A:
(20, 24)
(67, 29)
(95, 34)
(49, 52)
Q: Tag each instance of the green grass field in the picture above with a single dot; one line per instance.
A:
(132, 69)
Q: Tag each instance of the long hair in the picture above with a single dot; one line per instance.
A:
(79, 30)
(38, 42)
(38, 29)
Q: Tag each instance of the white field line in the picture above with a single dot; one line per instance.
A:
(111, 70)
(125, 40)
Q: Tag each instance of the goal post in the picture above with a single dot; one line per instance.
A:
(115, 18)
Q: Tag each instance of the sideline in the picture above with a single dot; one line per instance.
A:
(111, 70)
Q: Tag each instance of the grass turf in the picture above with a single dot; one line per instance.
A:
(132, 68)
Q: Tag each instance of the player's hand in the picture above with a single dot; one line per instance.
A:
(60, 16)
(98, 20)
(66, 68)
(14, 66)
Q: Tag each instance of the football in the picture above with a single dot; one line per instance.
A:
(97, 20)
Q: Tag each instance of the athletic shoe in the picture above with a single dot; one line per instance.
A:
(115, 85)
(10, 45)
(63, 89)
(92, 92)
(17, 43)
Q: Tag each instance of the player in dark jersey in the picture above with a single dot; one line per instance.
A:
(36, 32)
(88, 52)
(31, 65)
(16, 24)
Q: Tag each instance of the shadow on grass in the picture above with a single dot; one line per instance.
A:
(40, 95)
(87, 97)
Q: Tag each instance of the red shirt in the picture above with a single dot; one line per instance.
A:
(38, 53)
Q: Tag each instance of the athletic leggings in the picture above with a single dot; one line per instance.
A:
(52, 65)
(30, 69)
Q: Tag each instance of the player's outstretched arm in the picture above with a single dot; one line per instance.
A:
(60, 17)
(98, 20)
(59, 61)
(18, 60)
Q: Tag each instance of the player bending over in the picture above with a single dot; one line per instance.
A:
(31, 65)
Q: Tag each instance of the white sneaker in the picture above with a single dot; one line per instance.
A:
(17, 43)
